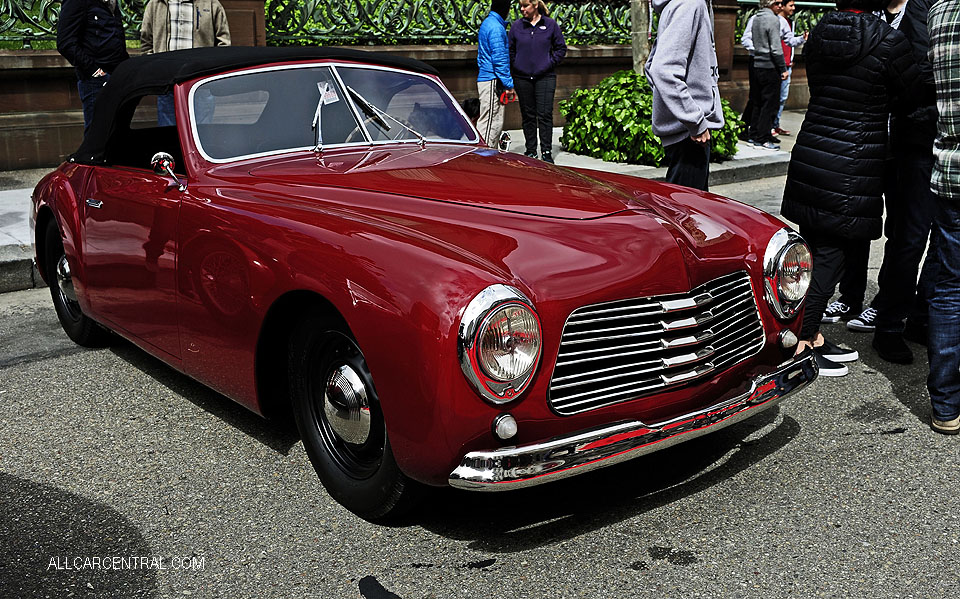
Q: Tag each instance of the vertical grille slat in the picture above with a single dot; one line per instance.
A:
(623, 350)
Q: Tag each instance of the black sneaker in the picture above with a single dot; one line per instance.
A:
(865, 323)
(828, 367)
(547, 157)
(835, 353)
(836, 312)
(891, 347)
(530, 154)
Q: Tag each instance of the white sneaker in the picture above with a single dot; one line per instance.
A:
(865, 323)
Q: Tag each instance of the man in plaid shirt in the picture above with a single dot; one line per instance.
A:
(179, 25)
(943, 23)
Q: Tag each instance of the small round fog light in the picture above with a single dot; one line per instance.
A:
(788, 339)
(504, 426)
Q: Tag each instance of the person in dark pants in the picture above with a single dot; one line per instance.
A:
(682, 70)
(769, 69)
(910, 208)
(90, 36)
(536, 48)
(944, 340)
(857, 68)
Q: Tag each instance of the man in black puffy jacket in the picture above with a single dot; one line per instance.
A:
(858, 67)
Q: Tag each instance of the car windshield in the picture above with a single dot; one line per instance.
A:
(294, 108)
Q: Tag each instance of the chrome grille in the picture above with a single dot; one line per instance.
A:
(622, 350)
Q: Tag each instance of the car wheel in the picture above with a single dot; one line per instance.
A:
(78, 326)
(338, 415)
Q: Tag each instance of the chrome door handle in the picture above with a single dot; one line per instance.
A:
(94, 203)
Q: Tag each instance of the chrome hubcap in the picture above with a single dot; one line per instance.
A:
(65, 280)
(346, 405)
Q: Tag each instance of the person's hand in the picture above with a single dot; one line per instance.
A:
(703, 138)
(99, 73)
(783, 76)
(511, 95)
(806, 35)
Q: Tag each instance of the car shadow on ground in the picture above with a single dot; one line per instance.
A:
(908, 381)
(49, 535)
(280, 435)
(546, 515)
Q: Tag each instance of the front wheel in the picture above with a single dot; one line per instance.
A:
(82, 329)
(338, 414)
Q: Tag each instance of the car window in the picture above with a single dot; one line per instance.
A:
(271, 110)
(418, 102)
(137, 136)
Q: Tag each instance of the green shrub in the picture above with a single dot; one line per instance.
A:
(611, 121)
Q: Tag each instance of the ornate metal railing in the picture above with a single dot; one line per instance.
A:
(804, 20)
(23, 23)
(431, 21)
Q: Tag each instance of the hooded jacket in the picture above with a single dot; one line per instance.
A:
(683, 72)
(858, 67)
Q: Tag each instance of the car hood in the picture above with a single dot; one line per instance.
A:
(457, 174)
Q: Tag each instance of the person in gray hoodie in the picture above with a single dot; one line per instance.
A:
(682, 70)
(769, 70)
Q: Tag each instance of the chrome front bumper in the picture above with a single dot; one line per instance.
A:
(528, 465)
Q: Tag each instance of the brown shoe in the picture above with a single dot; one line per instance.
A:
(946, 427)
(780, 131)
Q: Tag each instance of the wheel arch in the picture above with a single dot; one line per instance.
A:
(44, 217)
(270, 366)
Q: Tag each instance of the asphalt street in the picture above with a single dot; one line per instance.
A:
(842, 492)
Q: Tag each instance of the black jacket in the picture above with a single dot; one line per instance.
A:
(918, 126)
(857, 67)
(90, 36)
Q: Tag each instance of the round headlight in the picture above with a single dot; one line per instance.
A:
(499, 343)
(795, 271)
(508, 343)
(787, 269)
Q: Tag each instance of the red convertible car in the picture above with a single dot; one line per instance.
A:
(324, 233)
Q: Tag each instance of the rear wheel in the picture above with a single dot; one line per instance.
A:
(338, 414)
(79, 327)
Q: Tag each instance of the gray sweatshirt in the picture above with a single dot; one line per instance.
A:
(682, 70)
(767, 51)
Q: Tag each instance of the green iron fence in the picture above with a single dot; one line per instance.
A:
(33, 23)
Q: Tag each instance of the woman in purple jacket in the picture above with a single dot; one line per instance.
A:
(536, 48)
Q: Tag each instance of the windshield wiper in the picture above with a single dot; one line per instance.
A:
(323, 87)
(376, 115)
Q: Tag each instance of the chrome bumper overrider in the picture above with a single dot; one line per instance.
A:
(528, 465)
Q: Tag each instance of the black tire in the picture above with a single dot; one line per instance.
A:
(363, 476)
(78, 326)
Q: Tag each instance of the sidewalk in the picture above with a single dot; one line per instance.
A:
(16, 250)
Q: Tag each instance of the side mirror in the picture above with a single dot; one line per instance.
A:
(163, 164)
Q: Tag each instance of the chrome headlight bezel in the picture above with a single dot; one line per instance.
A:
(773, 263)
(472, 323)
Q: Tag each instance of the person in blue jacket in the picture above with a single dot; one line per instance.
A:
(493, 61)
(536, 48)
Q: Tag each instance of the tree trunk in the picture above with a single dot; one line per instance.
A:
(639, 28)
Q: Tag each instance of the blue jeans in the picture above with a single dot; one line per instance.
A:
(166, 116)
(784, 94)
(943, 350)
(89, 88)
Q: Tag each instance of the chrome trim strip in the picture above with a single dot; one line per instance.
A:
(524, 466)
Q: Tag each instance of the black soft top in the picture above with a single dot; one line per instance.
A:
(158, 73)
